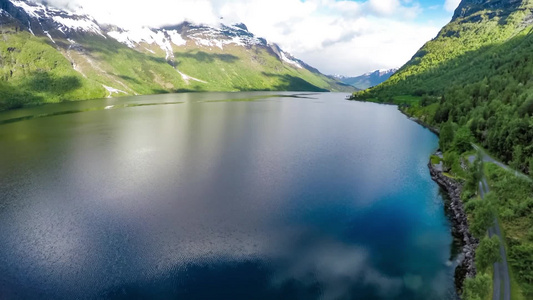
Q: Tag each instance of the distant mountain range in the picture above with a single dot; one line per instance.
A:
(49, 55)
(367, 80)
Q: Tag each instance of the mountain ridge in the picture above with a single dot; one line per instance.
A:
(106, 60)
(367, 80)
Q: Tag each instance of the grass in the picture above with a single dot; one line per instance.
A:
(515, 197)
(490, 271)
(516, 289)
(514, 212)
(32, 72)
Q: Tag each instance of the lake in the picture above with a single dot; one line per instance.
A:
(264, 195)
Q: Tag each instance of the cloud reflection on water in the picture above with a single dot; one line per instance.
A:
(301, 197)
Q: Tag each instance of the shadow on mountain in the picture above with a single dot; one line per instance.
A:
(35, 89)
(201, 56)
(129, 79)
(111, 48)
(12, 97)
(159, 91)
(43, 82)
(292, 83)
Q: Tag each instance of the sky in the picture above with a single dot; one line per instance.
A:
(345, 37)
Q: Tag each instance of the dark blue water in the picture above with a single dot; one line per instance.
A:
(220, 196)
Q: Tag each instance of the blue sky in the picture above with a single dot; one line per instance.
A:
(347, 37)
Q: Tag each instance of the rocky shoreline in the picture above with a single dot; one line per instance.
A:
(461, 230)
(424, 124)
(466, 267)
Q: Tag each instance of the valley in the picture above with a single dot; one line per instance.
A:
(169, 150)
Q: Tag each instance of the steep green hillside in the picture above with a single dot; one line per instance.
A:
(238, 69)
(476, 74)
(110, 63)
(34, 72)
(192, 69)
(474, 82)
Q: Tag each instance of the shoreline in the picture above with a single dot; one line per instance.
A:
(420, 122)
(466, 267)
(460, 228)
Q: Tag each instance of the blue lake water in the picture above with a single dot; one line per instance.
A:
(220, 196)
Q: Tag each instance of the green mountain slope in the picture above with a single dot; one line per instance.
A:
(33, 72)
(49, 55)
(476, 73)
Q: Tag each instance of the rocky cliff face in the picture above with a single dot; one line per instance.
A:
(497, 7)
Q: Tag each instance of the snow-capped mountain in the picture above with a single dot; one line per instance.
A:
(198, 36)
(40, 19)
(52, 54)
(49, 48)
(367, 80)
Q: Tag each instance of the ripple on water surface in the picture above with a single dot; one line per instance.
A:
(220, 196)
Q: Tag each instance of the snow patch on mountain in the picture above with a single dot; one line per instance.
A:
(163, 42)
(29, 28)
(286, 57)
(163, 38)
(223, 36)
(121, 38)
(188, 78)
(202, 36)
(78, 24)
(57, 25)
(367, 80)
(133, 37)
(290, 61)
(112, 91)
(381, 72)
(176, 37)
(64, 20)
(33, 11)
(49, 36)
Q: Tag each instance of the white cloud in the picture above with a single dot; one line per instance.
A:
(336, 36)
(451, 5)
(385, 7)
(379, 45)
